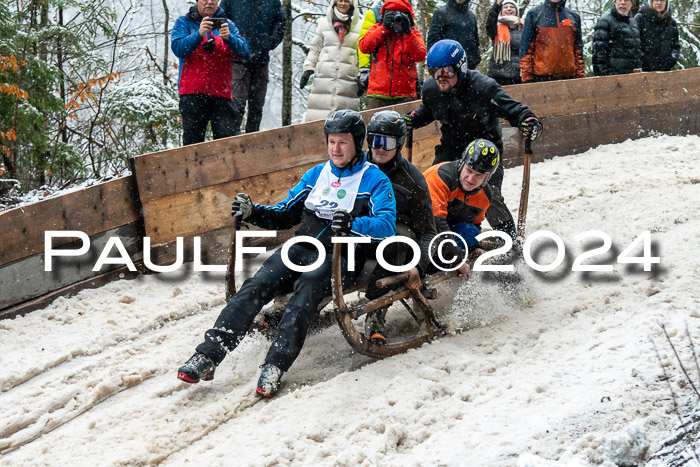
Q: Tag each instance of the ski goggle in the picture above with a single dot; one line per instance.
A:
(443, 72)
(382, 141)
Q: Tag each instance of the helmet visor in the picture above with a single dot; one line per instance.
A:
(443, 72)
(381, 141)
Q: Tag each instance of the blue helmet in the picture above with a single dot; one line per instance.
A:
(448, 53)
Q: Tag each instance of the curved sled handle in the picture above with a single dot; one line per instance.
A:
(231, 263)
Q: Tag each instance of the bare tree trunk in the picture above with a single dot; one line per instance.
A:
(425, 13)
(287, 66)
(165, 42)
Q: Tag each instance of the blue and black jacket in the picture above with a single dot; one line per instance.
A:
(374, 212)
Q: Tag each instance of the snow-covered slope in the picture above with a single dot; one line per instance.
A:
(563, 374)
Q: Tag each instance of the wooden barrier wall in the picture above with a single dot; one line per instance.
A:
(188, 191)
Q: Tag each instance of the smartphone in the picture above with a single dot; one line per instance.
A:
(218, 22)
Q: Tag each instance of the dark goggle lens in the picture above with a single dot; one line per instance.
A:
(381, 141)
(443, 72)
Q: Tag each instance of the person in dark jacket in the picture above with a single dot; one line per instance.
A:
(345, 196)
(262, 23)
(457, 22)
(504, 27)
(205, 48)
(658, 32)
(396, 46)
(468, 105)
(551, 46)
(386, 133)
(617, 48)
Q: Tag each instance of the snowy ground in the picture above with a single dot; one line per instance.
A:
(567, 375)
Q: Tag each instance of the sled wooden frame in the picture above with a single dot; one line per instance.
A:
(421, 311)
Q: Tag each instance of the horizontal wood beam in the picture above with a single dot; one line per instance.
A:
(91, 210)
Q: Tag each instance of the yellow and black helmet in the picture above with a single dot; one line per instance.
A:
(483, 156)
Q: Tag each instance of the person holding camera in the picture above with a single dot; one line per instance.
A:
(396, 46)
(206, 42)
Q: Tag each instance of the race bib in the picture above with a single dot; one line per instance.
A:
(331, 194)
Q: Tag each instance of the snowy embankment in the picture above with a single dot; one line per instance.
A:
(566, 374)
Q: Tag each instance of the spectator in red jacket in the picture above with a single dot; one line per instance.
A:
(396, 46)
(205, 42)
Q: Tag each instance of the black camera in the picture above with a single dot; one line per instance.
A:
(218, 22)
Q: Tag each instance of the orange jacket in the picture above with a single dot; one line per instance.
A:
(451, 205)
(394, 56)
(551, 45)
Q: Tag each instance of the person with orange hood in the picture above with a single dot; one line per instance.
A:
(396, 46)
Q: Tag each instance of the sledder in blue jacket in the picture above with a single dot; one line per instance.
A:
(373, 210)
(345, 196)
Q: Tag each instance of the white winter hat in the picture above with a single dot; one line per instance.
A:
(512, 2)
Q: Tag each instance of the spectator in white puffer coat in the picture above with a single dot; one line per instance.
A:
(333, 58)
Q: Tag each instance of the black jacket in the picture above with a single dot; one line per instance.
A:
(470, 111)
(456, 22)
(414, 207)
(617, 48)
(261, 22)
(511, 69)
(659, 36)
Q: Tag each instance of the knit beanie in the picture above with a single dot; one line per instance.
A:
(512, 2)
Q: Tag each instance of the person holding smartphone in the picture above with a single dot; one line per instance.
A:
(206, 42)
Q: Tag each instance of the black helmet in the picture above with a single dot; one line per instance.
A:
(347, 121)
(388, 123)
(483, 156)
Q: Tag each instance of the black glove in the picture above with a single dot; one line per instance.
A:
(408, 118)
(342, 222)
(388, 19)
(530, 128)
(362, 81)
(242, 206)
(305, 78)
(402, 23)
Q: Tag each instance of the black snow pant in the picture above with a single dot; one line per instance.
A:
(395, 254)
(498, 214)
(249, 87)
(273, 278)
(199, 109)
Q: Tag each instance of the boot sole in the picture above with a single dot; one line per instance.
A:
(183, 377)
(263, 393)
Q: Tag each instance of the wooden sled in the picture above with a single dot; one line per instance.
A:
(344, 313)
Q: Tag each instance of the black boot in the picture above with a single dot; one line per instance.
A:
(198, 367)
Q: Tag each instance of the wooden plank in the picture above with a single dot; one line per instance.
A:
(608, 93)
(209, 208)
(91, 210)
(221, 161)
(25, 279)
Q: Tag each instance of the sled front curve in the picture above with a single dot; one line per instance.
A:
(422, 312)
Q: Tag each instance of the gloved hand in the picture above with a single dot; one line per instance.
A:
(530, 128)
(408, 118)
(402, 23)
(362, 81)
(342, 222)
(242, 206)
(388, 18)
(305, 78)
